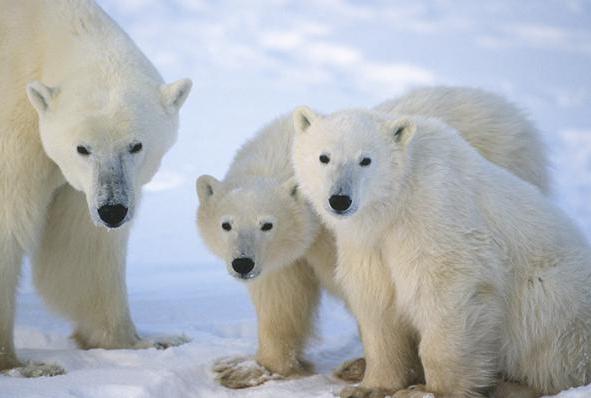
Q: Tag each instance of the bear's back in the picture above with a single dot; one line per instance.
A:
(492, 125)
(267, 155)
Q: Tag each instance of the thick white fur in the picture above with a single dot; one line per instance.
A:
(487, 121)
(447, 250)
(297, 258)
(291, 260)
(71, 77)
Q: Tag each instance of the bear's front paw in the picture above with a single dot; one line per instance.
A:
(418, 391)
(363, 392)
(351, 371)
(242, 372)
(35, 369)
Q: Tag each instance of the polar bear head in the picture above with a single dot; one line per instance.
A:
(255, 228)
(351, 160)
(108, 142)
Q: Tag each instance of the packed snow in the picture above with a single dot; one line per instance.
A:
(250, 62)
(199, 303)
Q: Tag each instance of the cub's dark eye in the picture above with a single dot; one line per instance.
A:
(135, 148)
(324, 159)
(226, 226)
(82, 150)
(267, 226)
(365, 162)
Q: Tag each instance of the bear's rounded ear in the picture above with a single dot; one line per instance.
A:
(303, 117)
(402, 130)
(207, 186)
(291, 188)
(40, 95)
(175, 94)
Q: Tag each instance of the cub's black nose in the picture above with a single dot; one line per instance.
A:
(243, 265)
(112, 215)
(339, 203)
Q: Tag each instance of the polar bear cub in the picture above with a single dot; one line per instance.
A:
(256, 221)
(445, 255)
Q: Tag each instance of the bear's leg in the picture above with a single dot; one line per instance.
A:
(459, 351)
(79, 269)
(285, 302)
(391, 360)
(10, 264)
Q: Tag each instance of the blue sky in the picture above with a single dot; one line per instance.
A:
(252, 61)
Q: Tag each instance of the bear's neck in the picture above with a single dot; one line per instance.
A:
(77, 35)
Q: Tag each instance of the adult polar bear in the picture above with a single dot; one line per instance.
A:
(445, 255)
(267, 234)
(74, 154)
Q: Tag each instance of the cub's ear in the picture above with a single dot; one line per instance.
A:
(303, 117)
(402, 130)
(175, 94)
(40, 95)
(291, 188)
(207, 186)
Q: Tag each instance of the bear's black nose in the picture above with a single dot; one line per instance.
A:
(112, 215)
(340, 203)
(243, 265)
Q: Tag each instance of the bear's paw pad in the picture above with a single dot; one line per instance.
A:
(351, 371)
(241, 372)
(36, 369)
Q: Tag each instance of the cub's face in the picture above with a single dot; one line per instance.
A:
(349, 161)
(254, 230)
(108, 146)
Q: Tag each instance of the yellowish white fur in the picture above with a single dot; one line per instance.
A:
(73, 78)
(442, 249)
(297, 257)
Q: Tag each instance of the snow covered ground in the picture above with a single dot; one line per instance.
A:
(254, 60)
(199, 302)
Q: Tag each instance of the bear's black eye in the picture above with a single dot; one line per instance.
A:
(82, 150)
(365, 162)
(324, 159)
(135, 148)
(267, 226)
(226, 226)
